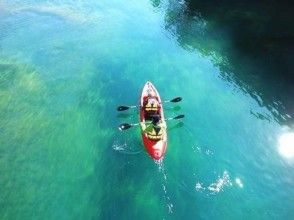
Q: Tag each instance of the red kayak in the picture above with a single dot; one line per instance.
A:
(154, 141)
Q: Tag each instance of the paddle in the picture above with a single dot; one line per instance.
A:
(177, 99)
(125, 126)
(123, 107)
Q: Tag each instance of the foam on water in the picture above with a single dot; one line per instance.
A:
(125, 148)
(222, 182)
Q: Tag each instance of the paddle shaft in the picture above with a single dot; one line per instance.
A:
(126, 126)
(123, 108)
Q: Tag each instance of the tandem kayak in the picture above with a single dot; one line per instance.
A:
(155, 147)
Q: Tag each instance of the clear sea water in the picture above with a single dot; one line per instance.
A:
(64, 68)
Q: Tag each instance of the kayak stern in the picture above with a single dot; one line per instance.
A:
(156, 149)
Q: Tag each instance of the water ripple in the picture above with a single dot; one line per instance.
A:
(219, 184)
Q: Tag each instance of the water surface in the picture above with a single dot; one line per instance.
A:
(66, 65)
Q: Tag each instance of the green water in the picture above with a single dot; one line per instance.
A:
(64, 68)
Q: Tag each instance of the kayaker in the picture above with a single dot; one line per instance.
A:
(154, 129)
(151, 105)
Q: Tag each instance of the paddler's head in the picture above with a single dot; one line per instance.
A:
(152, 101)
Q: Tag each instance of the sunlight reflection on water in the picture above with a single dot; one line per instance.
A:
(286, 145)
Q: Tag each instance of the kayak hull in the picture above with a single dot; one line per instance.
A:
(155, 148)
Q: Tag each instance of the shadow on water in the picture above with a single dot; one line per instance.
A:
(252, 43)
(176, 126)
(173, 109)
(124, 115)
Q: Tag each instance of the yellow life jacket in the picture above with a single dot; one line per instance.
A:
(155, 136)
(151, 106)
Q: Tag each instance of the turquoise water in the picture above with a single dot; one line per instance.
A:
(66, 65)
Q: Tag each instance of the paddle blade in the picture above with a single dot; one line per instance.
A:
(124, 126)
(122, 108)
(178, 99)
(179, 117)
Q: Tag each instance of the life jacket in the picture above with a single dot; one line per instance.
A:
(152, 105)
(155, 135)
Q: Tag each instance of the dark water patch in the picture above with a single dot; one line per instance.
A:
(252, 44)
(156, 3)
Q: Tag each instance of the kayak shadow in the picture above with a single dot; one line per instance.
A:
(177, 108)
(124, 115)
(176, 126)
(174, 108)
